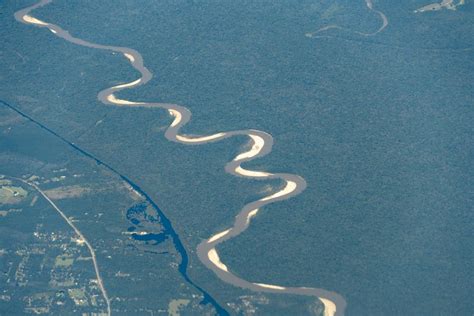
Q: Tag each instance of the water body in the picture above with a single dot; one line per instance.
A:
(261, 145)
(167, 227)
(387, 121)
(136, 215)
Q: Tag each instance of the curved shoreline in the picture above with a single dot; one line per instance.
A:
(370, 6)
(262, 142)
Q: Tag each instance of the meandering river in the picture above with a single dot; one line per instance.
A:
(261, 144)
